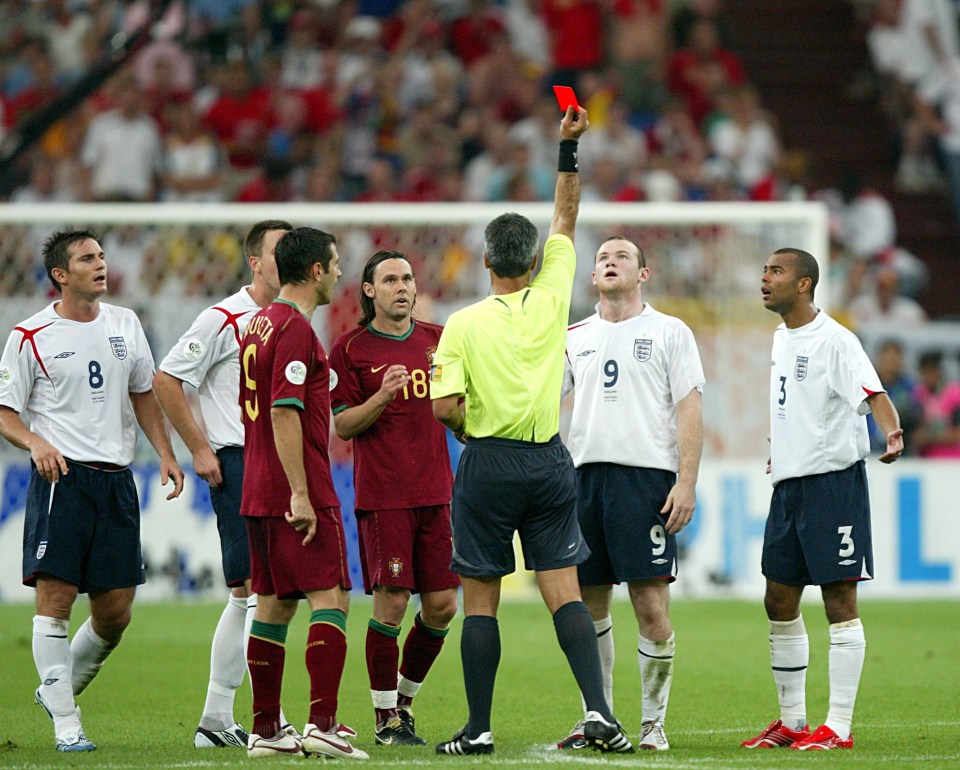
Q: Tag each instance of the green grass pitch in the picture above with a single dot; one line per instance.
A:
(143, 708)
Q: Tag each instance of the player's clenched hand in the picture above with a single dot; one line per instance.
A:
(206, 465)
(894, 446)
(302, 517)
(50, 463)
(395, 379)
(680, 505)
(170, 469)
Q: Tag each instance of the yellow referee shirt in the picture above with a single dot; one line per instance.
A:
(506, 353)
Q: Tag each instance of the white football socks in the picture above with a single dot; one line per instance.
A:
(604, 629)
(228, 662)
(789, 657)
(656, 674)
(848, 646)
(51, 653)
(88, 651)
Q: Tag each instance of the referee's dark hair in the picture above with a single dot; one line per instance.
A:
(253, 243)
(807, 266)
(56, 251)
(299, 250)
(367, 311)
(510, 242)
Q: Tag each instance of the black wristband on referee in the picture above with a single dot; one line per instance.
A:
(568, 156)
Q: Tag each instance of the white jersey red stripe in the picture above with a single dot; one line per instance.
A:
(629, 377)
(70, 381)
(820, 377)
(208, 357)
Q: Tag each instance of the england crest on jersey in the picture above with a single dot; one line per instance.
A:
(119, 347)
(800, 369)
(642, 349)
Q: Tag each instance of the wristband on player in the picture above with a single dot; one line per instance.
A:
(568, 157)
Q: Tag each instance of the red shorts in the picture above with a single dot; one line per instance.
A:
(281, 566)
(407, 548)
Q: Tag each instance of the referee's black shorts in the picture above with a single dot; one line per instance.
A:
(505, 486)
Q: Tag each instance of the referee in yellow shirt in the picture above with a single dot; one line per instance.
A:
(503, 358)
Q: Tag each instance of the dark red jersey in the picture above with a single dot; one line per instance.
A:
(283, 364)
(401, 461)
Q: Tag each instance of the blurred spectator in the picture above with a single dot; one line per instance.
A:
(863, 219)
(240, 116)
(495, 137)
(901, 389)
(221, 27)
(66, 27)
(638, 44)
(698, 71)
(885, 307)
(677, 146)
(938, 107)
(939, 433)
(122, 150)
(193, 160)
(381, 182)
(608, 180)
(42, 88)
(272, 184)
(687, 12)
(522, 174)
(747, 142)
(616, 139)
(41, 187)
(471, 33)
(303, 60)
(527, 31)
(576, 37)
(163, 91)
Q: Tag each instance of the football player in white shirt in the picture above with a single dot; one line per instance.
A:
(636, 437)
(81, 371)
(208, 357)
(818, 530)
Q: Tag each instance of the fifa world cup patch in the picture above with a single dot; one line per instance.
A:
(395, 566)
(436, 373)
(193, 350)
(6, 375)
(296, 372)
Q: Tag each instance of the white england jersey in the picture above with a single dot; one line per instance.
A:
(628, 378)
(72, 381)
(208, 357)
(819, 380)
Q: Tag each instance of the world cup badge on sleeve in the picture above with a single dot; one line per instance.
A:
(119, 347)
(642, 349)
(800, 369)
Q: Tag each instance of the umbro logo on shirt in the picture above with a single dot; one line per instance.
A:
(65, 354)
(586, 353)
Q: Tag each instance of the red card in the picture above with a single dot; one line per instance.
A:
(566, 98)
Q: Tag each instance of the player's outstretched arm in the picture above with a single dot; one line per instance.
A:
(50, 463)
(566, 203)
(150, 416)
(888, 420)
(174, 402)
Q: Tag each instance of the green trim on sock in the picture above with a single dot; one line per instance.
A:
(334, 617)
(383, 628)
(440, 633)
(271, 632)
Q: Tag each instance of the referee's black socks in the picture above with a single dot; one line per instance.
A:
(578, 640)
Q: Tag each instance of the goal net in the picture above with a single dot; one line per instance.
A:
(169, 261)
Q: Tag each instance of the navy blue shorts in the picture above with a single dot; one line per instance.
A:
(505, 486)
(618, 507)
(85, 529)
(818, 529)
(234, 547)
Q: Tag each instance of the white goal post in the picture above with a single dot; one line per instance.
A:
(170, 260)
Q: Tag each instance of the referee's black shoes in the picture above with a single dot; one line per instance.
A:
(604, 736)
(460, 744)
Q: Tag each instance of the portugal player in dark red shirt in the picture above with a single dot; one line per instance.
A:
(297, 547)
(401, 468)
